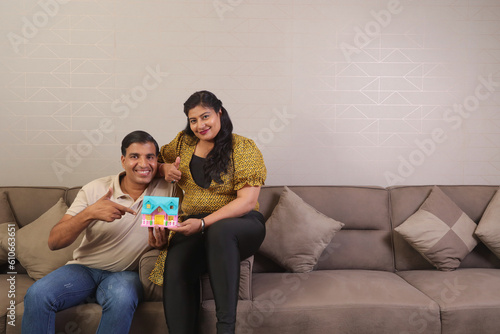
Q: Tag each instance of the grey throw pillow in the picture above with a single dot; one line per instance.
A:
(488, 229)
(440, 231)
(297, 233)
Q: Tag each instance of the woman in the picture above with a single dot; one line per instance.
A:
(221, 174)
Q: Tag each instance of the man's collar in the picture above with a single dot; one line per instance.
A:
(117, 189)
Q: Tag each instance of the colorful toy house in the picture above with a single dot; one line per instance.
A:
(160, 211)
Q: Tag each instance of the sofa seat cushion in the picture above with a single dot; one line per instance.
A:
(84, 319)
(349, 301)
(469, 299)
(22, 282)
(81, 319)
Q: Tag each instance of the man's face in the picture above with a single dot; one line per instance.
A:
(140, 163)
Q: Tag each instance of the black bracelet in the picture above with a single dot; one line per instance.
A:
(202, 225)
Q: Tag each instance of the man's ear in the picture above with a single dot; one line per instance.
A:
(123, 161)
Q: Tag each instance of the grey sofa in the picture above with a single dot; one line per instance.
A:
(368, 279)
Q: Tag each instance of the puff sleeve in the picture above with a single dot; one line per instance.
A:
(170, 151)
(249, 167)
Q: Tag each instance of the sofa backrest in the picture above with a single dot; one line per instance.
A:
(473, 200)
(71, 194)
(365, 240)
(29, 203)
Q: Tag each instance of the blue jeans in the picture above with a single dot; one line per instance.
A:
(73, 284)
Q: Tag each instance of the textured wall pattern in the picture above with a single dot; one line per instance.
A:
(334, 92)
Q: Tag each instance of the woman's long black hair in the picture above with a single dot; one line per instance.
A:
(219, 158)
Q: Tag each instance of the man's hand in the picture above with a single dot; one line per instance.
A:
(188, 227)
(158, 237)
(107, 210)
(69, 227)
(172, 172)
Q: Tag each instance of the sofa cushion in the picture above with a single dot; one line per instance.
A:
(297, 233)
(29, 203)
(469, 299)
(339, 301)
(488, 229)
(22, 283)
(440, 231)
(32, 244)
(406, 200)
(365, 241)
(13, 289)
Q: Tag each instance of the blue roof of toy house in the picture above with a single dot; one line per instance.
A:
(164, 202)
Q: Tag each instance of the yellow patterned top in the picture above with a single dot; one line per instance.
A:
(246, 168)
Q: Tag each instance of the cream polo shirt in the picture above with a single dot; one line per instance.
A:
(118, 245)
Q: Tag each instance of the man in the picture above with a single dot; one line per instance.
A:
(107, 211)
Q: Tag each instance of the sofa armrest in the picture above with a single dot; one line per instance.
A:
(245, 292)
(152, 292)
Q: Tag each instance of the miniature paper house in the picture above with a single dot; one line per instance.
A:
(160, 211)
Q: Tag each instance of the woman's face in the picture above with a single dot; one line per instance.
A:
(204, 122)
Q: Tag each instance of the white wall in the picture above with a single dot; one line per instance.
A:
(333, 91)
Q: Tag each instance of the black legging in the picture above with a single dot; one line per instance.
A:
(218, 252)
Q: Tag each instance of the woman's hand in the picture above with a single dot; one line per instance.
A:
(158, 237)
(188, 227)
(171, 171)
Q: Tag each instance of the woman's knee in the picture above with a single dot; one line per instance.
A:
(221, 231)
(236, 233)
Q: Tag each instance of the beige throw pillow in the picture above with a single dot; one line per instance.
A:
(440, 231)
(32, 247)
(297, 233)
(488, 229)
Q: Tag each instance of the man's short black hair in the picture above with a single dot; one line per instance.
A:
(138, 136)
